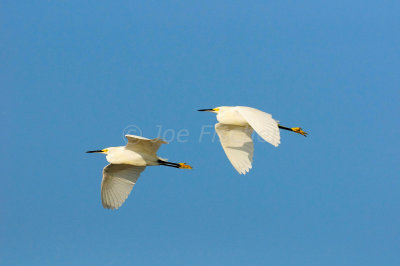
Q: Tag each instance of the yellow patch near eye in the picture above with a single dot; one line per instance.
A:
(216, 109)
(105, 150)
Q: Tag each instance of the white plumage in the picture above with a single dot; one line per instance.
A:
(118, 181)
(262, 123)
(126, 165)
(237, 144)
(235, 128)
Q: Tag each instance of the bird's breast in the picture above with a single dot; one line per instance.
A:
(126, 157)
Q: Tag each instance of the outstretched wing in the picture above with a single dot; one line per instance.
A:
(141, 144)
(118, 181)
(237, 144)
(262, 123)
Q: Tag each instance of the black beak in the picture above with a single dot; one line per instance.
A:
(94, 151)
(205, 110)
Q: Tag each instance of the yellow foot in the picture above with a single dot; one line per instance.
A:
(184, 166)
(300, 131)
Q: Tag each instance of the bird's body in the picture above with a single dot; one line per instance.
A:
(122, 155)
(231, 116)
(126, 164)
(235, 128)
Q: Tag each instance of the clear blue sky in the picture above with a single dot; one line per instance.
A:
(75, 74)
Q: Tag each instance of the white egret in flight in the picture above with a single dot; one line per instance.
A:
(235, 127)
(126, 164)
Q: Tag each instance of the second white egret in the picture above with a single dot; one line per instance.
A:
(126, 165)
(235, 128)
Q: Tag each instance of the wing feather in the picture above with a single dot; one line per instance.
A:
(237, 144)
(141, 144)
(118, 181)
(262, 123)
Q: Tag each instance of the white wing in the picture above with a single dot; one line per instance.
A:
(141, 144)
(237, 144)
(262, 123)
(118, 181)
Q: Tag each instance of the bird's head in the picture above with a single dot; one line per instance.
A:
(105, 151)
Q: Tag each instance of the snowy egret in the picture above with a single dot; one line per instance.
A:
(235, 127)
(126, 164)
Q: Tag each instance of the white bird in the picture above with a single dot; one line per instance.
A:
(235, 128)
(126, 164)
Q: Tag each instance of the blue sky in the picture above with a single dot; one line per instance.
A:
(76, 74)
